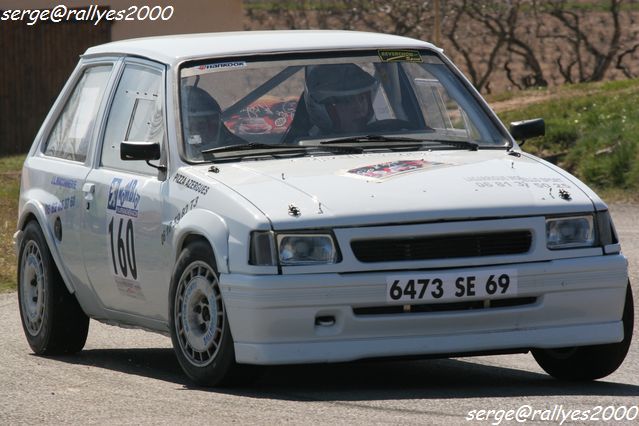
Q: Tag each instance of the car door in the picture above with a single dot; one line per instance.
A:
(64, 162)
(124, 258)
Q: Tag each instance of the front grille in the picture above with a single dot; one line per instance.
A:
(441, 246)
(445, 307)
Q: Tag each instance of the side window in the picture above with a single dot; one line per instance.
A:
(136, 114)
(440, 110)
(70, 136)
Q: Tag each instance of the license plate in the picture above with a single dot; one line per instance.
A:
(452, 286)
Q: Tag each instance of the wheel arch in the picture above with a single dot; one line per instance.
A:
(203, 225)
(34, 211)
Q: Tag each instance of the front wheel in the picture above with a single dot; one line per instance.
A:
(589, 362)
(52, 319)
(199, 326)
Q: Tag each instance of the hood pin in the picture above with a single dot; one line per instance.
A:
(293, 210)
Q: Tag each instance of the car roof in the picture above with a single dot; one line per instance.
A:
(174, 49)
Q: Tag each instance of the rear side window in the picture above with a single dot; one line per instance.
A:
(136, 115)
(71, 134)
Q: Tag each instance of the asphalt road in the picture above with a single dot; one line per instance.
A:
(132, 377)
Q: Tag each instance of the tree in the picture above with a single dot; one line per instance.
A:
(590, 52)
(526, 43)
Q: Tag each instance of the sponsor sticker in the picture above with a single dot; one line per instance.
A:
(124, 197)
(122, 212)
(64, 183)
(58, 206)
(399, 55)
(129, 288)
(168, 229)
(519, 182)
(390, 169)
(208, 68)
(192, 184)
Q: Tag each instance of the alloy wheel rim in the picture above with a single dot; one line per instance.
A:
(32, 288)
(199, 314)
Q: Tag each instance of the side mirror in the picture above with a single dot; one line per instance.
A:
(527, 129)
(139, 151)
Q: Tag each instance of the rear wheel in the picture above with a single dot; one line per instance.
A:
(199, 326)
(52, 319)
(589, 362)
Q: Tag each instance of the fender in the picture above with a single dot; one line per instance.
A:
(597, 202)
(36, 208)
(210, 226)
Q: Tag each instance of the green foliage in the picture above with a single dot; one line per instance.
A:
(7, 286)
(9, 192)
(501, 96)
(592, 130)
(11, 164)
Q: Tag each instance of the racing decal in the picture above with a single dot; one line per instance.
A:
(124, 198)
(222, 65)
(129, 288)
(168, 229)
(122, 212)
(122, 247)
(267, 115)
(64, 183)
(209, 68)
(64, 204)
(399, 55)
(191, 184)
(390, 169)
(519, 182)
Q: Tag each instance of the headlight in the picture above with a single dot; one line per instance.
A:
(570, 232)
(292, 249)
(306, 249)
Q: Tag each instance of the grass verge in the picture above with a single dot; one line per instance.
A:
(9, 193)
(592, 130)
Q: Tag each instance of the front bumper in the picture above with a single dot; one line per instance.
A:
(273, 318)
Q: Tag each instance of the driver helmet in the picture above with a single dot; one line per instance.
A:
(202, 117)
(326, 85)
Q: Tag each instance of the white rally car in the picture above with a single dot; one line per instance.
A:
(307, 197)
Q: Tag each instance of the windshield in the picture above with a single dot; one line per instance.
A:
(370, 98)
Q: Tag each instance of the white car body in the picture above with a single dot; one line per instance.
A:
(318, 313)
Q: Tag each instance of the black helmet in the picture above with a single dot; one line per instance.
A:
(326, 83)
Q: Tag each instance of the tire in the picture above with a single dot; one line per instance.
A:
(52, 320)
(199, 326)
(583, 363)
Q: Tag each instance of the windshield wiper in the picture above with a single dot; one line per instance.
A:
(230, 152)
(244, 147)
(285, 147)
(371, 138)
(473, 146)
(382, 139)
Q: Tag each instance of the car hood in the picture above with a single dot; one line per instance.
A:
(349, 190)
